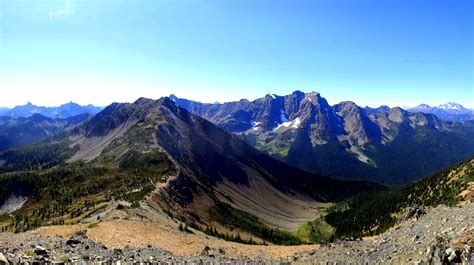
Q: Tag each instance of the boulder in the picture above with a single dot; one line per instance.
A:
(72, 242)
(39, 250)
(205, 251)
(3, 260)
(415, 211)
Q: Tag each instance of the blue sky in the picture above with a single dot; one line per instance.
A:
(373, 52)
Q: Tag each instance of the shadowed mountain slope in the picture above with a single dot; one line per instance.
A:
(393, 146)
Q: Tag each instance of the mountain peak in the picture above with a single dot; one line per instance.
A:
(272, 96)
(424, 106)
(450, 111)
(298, 93)
(142, 101)
(70, 104)
(313, 97)
(314, 93)
(348, 104)
(378, 110)
(452, 106)
(168, 102)
(397, 114)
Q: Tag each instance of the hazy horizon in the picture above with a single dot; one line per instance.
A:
(392, 52)
(331, 102)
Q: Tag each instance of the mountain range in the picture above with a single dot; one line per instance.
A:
(199, 171)
(448, 112)
(64, 111)
(154, 155)
(389, 145)
(16, 132)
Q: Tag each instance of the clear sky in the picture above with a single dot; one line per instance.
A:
(394, 52)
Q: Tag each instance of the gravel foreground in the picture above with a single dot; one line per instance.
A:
(78, 249)
(442, 236)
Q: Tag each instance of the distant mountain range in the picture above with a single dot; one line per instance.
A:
(15, 132)
(64, 111)
(448, 112)
(385, 144)
(3, 110)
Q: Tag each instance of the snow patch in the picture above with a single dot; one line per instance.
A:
(451, 106)
(296, 123)
(289, 124)
(12, 204)
(255, 125)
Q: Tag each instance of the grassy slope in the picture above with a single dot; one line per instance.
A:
(66, 191)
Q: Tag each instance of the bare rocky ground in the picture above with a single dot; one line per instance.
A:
(442, 236)
(79, 249)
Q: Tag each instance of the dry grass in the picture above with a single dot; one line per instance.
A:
(163, 233)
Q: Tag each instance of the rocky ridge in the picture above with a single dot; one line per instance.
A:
(443, 235)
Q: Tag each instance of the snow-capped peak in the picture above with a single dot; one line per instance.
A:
(273, 96)
(451, 106)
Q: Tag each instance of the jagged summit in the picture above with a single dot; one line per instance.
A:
(305, 131)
